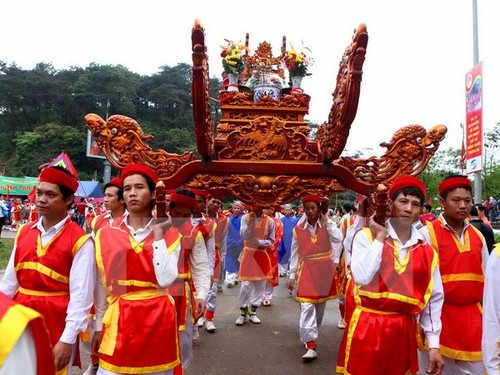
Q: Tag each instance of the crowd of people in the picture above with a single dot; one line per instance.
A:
(416, 291)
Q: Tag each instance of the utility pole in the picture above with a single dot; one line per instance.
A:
(478, 186)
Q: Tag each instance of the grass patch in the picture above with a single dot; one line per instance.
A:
(5, 250)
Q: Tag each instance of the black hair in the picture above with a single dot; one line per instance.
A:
(119, 192)
(480, 207)
(186, 192)
(474, 211)
(410, 190)
(427, 206)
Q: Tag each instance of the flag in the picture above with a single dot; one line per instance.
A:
(430, 201)
(64, 161)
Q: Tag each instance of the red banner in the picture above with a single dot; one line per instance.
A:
(474, 118)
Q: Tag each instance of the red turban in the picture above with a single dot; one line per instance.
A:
(183, 200)
(55, 176)
(311, 198)
(452, 183)
(200, 193)
(405, 182)
(117, 181)
(139, 169)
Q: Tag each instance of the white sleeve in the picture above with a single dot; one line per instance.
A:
(359, 222)
(491, 316)
(9, 283)
(211, 252)
(200, 268)
(430, 316)
(100, 303)
(165, 262)
(22, 358)
(366, 258)
(82, 278)
(294, 255)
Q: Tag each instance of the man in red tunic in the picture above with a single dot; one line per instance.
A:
(312, 269)
(137, 260)
(52, 266)
(463, 253)
(397, 283)
(258, 234)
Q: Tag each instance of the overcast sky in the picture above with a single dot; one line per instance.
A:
(414, 73)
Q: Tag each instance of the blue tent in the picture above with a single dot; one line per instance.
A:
(89, 189)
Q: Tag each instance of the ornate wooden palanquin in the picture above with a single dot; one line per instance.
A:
(261, 152)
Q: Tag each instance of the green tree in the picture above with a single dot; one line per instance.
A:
(47, 141)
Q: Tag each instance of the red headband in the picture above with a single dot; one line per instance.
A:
(405, 182)
(117, 181)
(452, 183)
(183, 200)
(55, 176)
(311, 198)
(200, 193)
(139, 169)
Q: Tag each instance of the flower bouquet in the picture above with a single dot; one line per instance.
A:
(297, 63)
(233, 60)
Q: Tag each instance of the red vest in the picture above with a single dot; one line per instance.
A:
(43, 272)
(14, 320)
(316, 270)
(99, 221)
(255, 263)
(141, 315)
(389, 304)
(463, 282)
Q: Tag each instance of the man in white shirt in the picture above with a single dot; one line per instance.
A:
(52, 266)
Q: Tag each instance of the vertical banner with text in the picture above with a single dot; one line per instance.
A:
(474, 119)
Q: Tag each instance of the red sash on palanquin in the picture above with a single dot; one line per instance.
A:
(183, 287)
(14, 320)
(43, 272)
(136, 304)
(220, 234)
(463, 281)
(255, 263)
(390, 302)
(316, 271)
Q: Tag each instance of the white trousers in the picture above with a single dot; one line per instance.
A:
(452, 366)
(252, 292)
(311, 317)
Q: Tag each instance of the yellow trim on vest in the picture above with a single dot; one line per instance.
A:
(350, 334)
(393, 296)
(12, 326)
(136, 246)
(174, 244)
(42, 250)
(99, 261)
(469, 276)
(400, 267)
(460, 354)
(30, 292)
(497, 249)
(43, 270)
(111, 317)
(135, 370)
(79, 243)
(143, 284)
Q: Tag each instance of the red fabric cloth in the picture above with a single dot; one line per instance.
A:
(452, 183)
(146, 322)
(139, 169)
(255, 263)
(404, 182)
(55, 176)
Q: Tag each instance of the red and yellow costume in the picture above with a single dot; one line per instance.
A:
(43, 272)
(390, 302)
(314, 259)
(136, 304)
(255, 263)
(274, 252)
(463, 282)
(14, 320)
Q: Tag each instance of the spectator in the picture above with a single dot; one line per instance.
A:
(485, 229)
(482, 214)
(427, 214)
